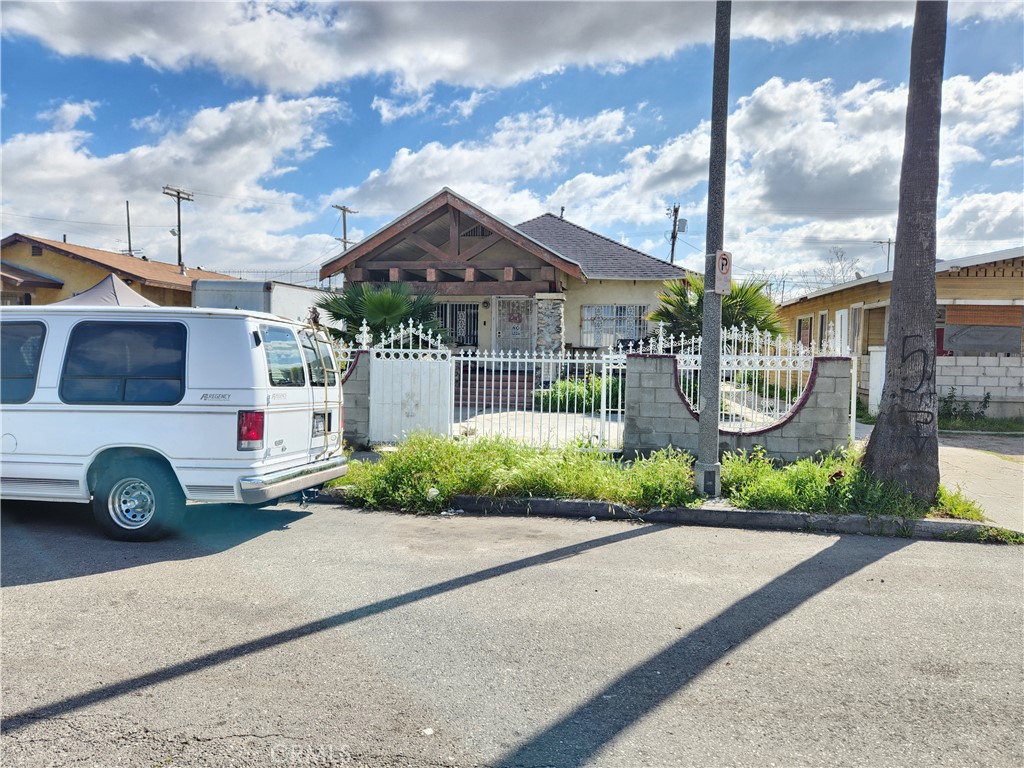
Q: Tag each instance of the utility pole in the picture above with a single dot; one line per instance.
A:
(888, 246)
(345, 211)
(708, 469)
(674, 214)
(128, 215)
(179, 195)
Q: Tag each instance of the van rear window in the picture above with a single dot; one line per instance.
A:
(21, 344)
(128, 363)
(284, 360)
(317, 353)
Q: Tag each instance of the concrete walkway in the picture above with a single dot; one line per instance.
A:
(986, 468)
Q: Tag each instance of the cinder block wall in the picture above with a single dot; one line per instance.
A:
(356, 387)
(657, 414)
(973, 376)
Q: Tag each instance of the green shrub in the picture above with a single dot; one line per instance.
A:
(664, 479)
(581, 395)
(958, 409)
(955, 504)
(425, 472)
(831, 483)
(863, 415)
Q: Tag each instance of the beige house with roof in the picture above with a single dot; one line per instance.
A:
(545, 284)
(35, 270)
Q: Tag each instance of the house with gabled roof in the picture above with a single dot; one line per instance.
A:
(543, 285)
(35, 270)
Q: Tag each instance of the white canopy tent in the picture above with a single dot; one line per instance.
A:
(110, 291)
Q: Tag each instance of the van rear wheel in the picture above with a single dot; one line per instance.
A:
(137, 500)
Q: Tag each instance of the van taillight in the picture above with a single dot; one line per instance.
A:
(250, 430)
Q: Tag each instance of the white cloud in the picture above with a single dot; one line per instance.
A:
(155, 123)
(809, 167)
(66, 116)
(1006, 161)
(391, 110)
(296, 47)
(235, 151)
(522, 147)
(464, 108)
(975, 114)
(983, 216)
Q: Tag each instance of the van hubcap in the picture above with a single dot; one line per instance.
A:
(131, 503)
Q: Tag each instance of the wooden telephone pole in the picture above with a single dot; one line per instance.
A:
(179, 195)
(345, 211)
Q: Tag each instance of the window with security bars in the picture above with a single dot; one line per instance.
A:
(462, 322)
(608, 325)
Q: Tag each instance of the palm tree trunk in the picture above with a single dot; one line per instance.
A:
(904, 445)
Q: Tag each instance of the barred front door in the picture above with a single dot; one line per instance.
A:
(514, 325)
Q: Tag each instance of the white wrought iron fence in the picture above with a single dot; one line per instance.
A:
(762, 376)
(548, 399)
(541, 398)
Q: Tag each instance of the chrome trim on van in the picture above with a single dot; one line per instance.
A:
(263, 488)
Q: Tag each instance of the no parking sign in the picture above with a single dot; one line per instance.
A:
(723, 272)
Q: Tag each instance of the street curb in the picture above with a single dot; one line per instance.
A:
(725, 516)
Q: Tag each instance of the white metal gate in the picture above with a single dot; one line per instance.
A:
(412, 385)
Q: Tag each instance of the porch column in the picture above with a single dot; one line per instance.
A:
(550, 322)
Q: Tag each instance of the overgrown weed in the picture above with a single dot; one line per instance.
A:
(426, 472)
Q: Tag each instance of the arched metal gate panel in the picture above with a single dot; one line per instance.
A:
(412, 384)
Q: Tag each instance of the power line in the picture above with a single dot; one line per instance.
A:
(75, 221)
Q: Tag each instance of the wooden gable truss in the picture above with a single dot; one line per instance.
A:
(450, 247)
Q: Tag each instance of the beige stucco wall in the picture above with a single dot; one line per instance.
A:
(578, 293)
(79, 276)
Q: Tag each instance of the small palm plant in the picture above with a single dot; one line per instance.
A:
(682, 307)
(383, 306)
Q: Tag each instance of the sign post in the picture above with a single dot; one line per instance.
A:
(723, 273)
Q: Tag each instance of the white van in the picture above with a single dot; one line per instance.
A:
(139, 409)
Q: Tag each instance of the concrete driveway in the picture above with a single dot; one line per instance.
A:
(331, 636)
(986, 468)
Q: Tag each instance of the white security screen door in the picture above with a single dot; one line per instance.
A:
(513, 324)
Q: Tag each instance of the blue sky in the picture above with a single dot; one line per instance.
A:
(272, 113)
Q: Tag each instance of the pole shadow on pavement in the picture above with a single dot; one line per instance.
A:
(580, 735)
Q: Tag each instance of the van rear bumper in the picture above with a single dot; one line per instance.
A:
(263, 488)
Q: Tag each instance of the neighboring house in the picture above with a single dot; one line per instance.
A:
(541, 285)
(979, 326)
(39, 271)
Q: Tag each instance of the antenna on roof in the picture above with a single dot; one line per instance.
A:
(562, 214)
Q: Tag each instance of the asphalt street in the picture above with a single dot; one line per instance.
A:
(332, 636)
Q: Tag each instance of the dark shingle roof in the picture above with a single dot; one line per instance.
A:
(600, 257)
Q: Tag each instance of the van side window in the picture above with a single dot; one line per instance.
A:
(21, 344)
(284, 361)
(313, 361)
(130, 363)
